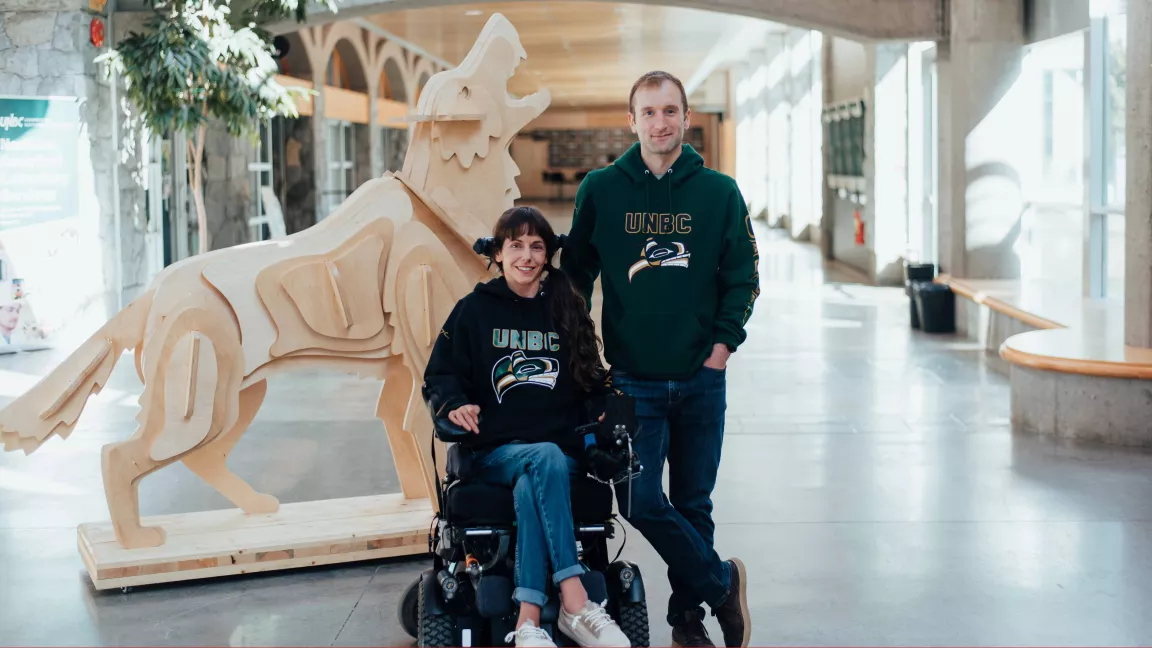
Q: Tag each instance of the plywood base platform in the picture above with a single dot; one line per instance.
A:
(224, 543)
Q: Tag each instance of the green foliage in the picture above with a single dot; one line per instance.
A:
(200, 60)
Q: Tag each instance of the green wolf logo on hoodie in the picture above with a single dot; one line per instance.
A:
(519, 369)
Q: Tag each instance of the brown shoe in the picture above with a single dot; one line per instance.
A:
(733, 614)
(690, 632)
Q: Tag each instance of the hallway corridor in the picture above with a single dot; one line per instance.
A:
(870, 481)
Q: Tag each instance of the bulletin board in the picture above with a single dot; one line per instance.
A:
(845, 126)
(585, 148)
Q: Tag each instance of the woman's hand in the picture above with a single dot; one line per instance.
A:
(467, 417)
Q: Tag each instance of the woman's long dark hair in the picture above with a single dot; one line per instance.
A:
(567, 308)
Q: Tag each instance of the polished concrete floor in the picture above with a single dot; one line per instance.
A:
(870, 481)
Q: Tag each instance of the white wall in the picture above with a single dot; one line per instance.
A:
(889, 213)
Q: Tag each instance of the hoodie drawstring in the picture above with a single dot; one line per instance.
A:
(648, 197)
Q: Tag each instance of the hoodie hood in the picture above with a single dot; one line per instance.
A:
(497, 287)
(683, 168)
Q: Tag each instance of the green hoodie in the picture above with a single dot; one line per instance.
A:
(678, 258)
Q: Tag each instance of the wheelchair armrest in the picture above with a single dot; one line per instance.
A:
(447, 431)
(442, 427)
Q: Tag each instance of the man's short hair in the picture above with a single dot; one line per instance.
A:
(654, 79)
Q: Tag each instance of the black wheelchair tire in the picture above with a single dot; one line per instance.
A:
(409, 609)
(435, 629)
(634, 622)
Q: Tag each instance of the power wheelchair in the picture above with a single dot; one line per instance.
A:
(465, 597)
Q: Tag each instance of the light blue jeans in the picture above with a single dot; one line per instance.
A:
(538, 474)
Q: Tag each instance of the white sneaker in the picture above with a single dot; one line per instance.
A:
(593, 626)
(529, 635)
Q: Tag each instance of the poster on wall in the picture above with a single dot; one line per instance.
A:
(42, 265)
(38, 146)
(19, 330)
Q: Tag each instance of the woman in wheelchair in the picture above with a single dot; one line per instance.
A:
(517, 365)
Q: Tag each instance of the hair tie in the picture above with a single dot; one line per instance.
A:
(483, 246)
(560, 241)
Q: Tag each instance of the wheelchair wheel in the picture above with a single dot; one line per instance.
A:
(435, 629)
(409, 610)
(634, 622)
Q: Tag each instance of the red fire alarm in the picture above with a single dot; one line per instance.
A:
(96, 32)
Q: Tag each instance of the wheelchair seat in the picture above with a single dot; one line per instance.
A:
(471, 503)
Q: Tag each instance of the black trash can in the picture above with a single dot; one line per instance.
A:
(917, 272)
(935, 306)
(914, 273)
(914, 314)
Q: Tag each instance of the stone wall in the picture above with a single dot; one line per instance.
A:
(228, 187)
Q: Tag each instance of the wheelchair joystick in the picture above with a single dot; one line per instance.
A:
(608, 447)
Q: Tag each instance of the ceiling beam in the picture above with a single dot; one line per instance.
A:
(868, 20)
(732, 46)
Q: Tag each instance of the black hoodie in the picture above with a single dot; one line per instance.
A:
(500, 351)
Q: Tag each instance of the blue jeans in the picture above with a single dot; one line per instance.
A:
(681, 422)
(538, 474)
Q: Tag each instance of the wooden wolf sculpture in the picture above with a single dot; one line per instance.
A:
(364, 291)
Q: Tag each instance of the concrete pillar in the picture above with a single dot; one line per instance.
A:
(375, 143)
(977, 68)
(1138, 205)
(319, 140)
(827, 199)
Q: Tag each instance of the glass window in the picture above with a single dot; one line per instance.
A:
(1115, 258)
(1050, 142)
(340, 165)
(1108, 53)
(1116, 52)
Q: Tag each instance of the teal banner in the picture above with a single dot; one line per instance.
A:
(39, 139)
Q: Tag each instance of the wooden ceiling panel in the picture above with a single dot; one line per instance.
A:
(585, 53)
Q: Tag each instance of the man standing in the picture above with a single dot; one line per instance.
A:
(674, 245)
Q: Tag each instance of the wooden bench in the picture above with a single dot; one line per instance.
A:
(1071, 374)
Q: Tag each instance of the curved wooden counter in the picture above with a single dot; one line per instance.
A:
(1078, 352)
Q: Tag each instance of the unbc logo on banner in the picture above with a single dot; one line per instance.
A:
(38, 160)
